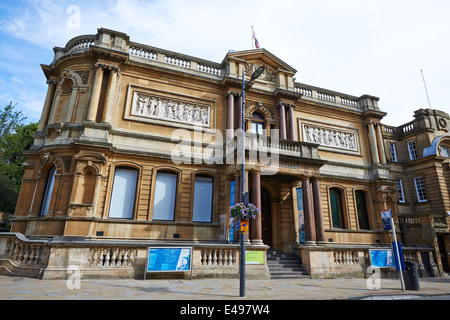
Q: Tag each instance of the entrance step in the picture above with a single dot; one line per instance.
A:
(285, 265)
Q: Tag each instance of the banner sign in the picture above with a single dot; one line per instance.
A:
(169, 259)
(381, 258)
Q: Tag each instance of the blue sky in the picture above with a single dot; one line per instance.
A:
(375, 47)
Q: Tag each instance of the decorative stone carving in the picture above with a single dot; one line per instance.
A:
(330, 137)
(168, 109)
(268, 74)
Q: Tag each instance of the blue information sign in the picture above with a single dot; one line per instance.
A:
(169, 259)
(382, 258)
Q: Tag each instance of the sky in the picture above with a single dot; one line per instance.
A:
(393, 49)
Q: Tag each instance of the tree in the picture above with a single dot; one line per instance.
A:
(15, 137)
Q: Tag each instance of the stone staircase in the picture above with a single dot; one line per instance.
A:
(285, 265)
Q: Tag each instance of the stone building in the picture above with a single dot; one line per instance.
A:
(138, 146)
(418, 156)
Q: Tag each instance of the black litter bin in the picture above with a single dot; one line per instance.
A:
(410, 276)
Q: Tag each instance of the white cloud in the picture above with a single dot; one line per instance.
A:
(357, 47)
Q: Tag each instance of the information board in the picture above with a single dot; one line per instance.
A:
(381, 258)
(169, 259)
(254, 257)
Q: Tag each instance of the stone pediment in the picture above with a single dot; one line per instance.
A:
(278, 75)
(263, 57)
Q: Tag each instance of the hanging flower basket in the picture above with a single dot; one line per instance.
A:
(243, 212)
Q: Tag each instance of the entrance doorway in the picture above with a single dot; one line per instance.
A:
(266, 217)
(443, 253)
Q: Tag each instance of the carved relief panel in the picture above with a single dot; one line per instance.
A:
(169, 108)
(334, 137)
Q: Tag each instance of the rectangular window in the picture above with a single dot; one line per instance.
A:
(393, 151)
(165, 195)
(412, 150)
(401, 195)
(203, 199)
(123, 193)
(420, 189)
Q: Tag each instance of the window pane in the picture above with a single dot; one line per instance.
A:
(361, 207)
(336, 208)
(203, 193)
(165, 194)
(48, 191)
(123, 193)
(420, 189)
(401, 196)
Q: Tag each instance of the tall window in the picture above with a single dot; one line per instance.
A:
(393, 151)
(361, 208)
(257, 123)
(203, 199)
(401, 195)
(337, 213)
(165, 196)
(48, 191)
(420, 189)
(123, 193)
(412, 149)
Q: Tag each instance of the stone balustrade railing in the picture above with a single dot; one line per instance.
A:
(328, 96)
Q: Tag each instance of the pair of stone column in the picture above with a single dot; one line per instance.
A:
(376, 143)
(257, 223)
(312, 208)
(282, 119)
(110, 93)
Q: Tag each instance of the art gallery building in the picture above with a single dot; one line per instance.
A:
(139, 146)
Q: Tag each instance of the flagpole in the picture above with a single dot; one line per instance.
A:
(253, 32)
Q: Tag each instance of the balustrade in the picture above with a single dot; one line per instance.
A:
(25, 253)
(112, 257)
(218, 256)
(346, 257)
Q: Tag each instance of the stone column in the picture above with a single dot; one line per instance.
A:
(318, 215)
(282, 119)
(291, 122)
(47, 104)
(373, 143)
(110, 96)
(93, 106)
(230, 116)
(381, 144)
(310, 234)
(257, 223)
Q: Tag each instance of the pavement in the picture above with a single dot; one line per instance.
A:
(21, 288)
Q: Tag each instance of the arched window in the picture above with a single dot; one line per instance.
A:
(257, 123)
(123, 193)
(165, 196)
(48, 191)
(361, 208)
(337, 213)
(203, 199)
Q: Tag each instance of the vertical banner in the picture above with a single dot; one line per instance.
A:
(231, 226)
(301, 219)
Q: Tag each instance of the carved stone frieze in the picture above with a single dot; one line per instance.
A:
(169, 109)
(332, 137)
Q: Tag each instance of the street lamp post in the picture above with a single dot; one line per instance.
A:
(244, 196)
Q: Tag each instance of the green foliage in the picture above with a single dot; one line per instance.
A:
(15, 137)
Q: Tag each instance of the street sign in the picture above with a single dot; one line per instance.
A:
(386, 216)
(244, 226)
